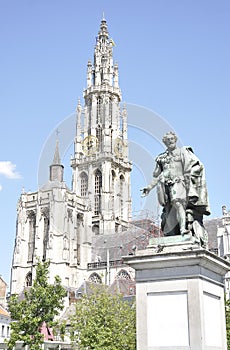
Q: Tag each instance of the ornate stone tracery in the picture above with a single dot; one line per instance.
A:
(123, 275)
(95, 278)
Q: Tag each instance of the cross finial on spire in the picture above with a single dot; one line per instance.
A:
(57, 133)
(103, 16)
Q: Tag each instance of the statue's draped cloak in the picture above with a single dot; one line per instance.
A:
(194, 180)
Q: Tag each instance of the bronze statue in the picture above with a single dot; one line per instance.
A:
(181, 187)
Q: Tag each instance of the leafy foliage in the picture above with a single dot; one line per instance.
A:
(104, 321)
(227, 315)
(41, 303)
(60, 330)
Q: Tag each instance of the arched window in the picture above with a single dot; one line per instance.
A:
(98, 182)
(113, 175)
(99, 110)
(32, 228)
(97, 191)
(121, 208)
(122, 180)
(29, 279)
(123, 275)
(46, 222)
(99, 136)
(83, 184)
(95, 278)
(95, 229)
(121, 190)
(110, 107)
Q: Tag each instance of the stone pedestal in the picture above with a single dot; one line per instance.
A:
(180, 297)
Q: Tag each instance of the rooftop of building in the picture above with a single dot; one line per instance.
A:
(4, 312)
(137, 238)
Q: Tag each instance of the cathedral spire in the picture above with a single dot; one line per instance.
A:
(101, 168)
(103, 32)
(101, 73)
(56, 159)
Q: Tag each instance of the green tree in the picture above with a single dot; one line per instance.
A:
(60, 330)
(227, 315)
(104, 321)
(41, 303)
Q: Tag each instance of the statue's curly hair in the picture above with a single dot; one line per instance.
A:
(170, 133)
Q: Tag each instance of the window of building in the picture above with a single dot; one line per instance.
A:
(97, 191)
(96, 229)
(29, 279)
(78, 254)
(98, 182)
(96, 205)
(110, 107)
(32, 228)
(45, 236)
(121, 208)
(123, 275)
(95, 278)
(99, 110)
(99, 136)
(84, 184)
(113, 175)
(122, 180)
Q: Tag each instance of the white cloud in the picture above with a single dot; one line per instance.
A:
(0, 187)
(8, 170)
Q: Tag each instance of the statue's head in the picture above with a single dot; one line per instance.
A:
(170, 139)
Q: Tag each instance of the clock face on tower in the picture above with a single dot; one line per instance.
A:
(90, 145)
(119, 147)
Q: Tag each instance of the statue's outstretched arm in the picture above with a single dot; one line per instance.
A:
(153, 183)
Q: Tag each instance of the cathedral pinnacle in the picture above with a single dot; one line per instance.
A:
(56, 159)
(103, 29)
(56, 168)
(79, 108)
(102, 72)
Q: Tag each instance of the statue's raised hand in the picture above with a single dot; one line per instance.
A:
(145, 191)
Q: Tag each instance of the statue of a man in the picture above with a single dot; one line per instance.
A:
(181, 188)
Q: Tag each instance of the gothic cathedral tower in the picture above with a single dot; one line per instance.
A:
(57, 223)
(101, 169)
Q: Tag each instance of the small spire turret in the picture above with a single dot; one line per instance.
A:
(56, 168)
(103, 32)
(56, 158)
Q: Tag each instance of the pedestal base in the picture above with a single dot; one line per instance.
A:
(177, 241)
(180, 298)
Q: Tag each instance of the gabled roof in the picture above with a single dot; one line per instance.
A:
(1, 278)
(120, 244)
(54, 184)
(3, 312)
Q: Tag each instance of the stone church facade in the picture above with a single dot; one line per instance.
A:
(64, 225)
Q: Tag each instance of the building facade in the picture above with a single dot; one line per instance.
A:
(4, 315)
(223, 239)
(60, 224)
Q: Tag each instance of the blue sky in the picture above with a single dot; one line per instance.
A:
(173, 58)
